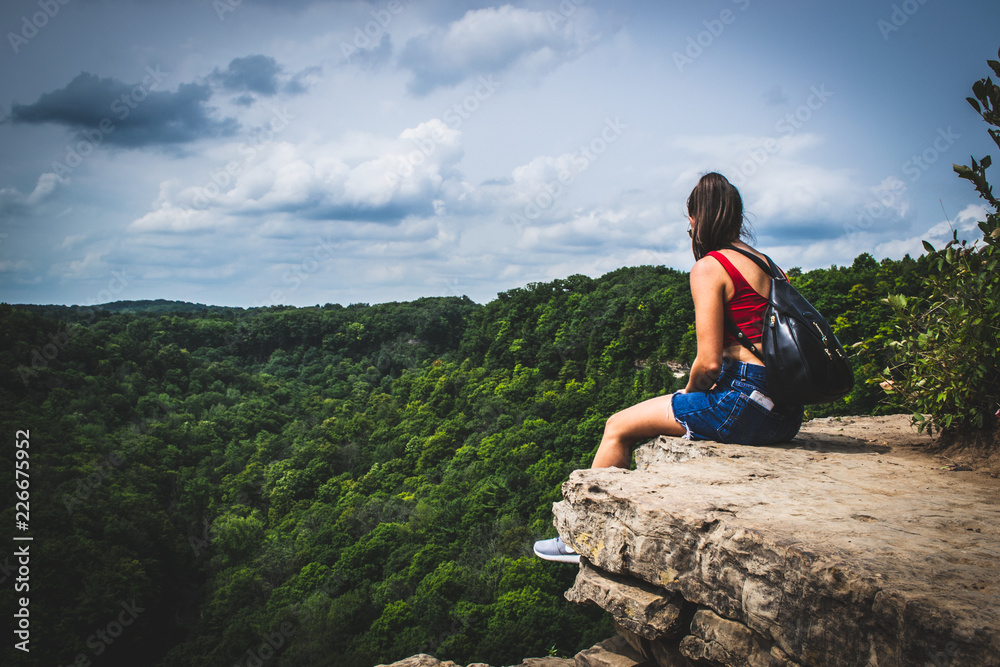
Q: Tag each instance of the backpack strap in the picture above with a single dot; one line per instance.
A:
(770, 268)
(734, 329)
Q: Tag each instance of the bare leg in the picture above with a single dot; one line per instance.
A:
(621, 432)
(626, 428)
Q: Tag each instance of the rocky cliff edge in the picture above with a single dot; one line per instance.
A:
(851, 545)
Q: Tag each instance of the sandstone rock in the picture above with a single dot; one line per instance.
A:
(424, 660)
(829, 550)
(664, 652)
(640, 644)
(421, 660)
(614, 652)
(647, 610)
(729, 643)
(668, 654)
(671, 450)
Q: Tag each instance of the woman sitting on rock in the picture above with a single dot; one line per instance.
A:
(725, 398)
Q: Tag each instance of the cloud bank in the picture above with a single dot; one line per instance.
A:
(130, 115)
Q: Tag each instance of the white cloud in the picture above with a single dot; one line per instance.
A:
(92, 265)
(735, 149)
(360, 177)
(170, 218)
(965, 224)
(439, 203)
(587, 229)
(493, 40)
(10, 265)
(802, 193)
(73, 241)
(13, 200)
(786, 188)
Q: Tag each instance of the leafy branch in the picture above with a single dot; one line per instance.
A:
(946, 356)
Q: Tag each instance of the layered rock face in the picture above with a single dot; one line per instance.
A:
(826, 551)
(849, 546)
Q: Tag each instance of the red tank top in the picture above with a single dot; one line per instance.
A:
(746, 307)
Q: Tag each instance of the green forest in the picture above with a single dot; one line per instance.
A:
(352, 485)
(343, 485)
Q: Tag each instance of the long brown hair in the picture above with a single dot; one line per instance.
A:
(717, 208)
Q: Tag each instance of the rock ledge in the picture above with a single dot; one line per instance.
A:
(848, 546)
(831, 550)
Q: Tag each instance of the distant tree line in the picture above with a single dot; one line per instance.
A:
(343, 485)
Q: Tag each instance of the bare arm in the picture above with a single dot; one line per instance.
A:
(708, 288)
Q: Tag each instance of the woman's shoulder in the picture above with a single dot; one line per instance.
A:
(713, 260)
(708, 267)
(705, 262)
(746, 266)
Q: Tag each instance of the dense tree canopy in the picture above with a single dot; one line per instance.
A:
(341, 485)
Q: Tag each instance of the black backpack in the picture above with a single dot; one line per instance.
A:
(805, 362)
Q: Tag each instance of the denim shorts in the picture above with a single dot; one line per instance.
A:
(726, 413)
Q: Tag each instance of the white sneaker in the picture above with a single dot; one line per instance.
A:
(557, 550)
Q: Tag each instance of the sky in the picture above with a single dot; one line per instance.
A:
(251, 153)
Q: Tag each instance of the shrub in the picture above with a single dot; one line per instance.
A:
(947, 354)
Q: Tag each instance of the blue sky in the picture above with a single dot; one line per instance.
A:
(248, 153)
